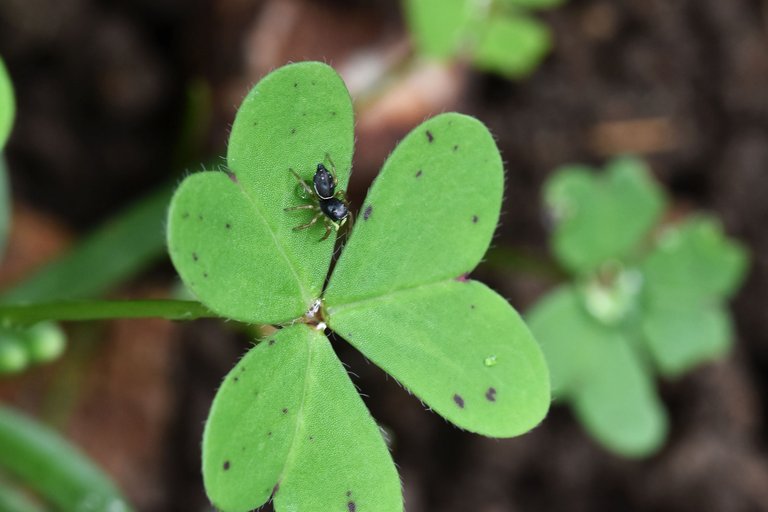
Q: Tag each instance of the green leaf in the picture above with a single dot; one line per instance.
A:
(694, 263)
(7, 105)
(115, 251)
(429, 215)
(438, 26)
(229, 236)
(618, 404)
(681, 338)
(600, 218)
(15, 500)
(427, 220)
(5, 205)
(512, 46)
(565, 331)
(460, 348)
(53, 467)
(288, 421)
(595, 369)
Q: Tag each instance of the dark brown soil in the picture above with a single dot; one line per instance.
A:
(102, 94)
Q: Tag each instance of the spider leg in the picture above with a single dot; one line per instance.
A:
(329, 225)
(301, 207)
(303, 183)
(333, 168)
(310, 223)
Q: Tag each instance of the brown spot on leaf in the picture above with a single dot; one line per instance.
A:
(285, 410)
(418, 173)
(367, 212)
(226, 465)
(474, 219)
(430, 137)
(490, 395)
(351, 506)
(455, 147)
(459, 401)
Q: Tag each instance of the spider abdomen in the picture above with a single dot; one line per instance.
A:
(334, 209)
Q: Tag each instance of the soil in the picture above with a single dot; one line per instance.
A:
(102, 90)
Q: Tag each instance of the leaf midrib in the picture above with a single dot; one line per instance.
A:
(306, 297)
(292, 451)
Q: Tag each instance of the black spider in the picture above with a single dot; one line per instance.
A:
(329, 203)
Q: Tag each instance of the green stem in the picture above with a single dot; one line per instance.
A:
(84, 310)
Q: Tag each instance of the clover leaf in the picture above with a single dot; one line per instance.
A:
(495, 36)
(688, 279)
(638, 303)
(7, 105)
(287, 422)
(600, 218)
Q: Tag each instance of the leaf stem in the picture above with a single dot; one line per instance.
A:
(86, 310)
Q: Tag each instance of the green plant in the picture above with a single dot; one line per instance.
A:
(495, 35)
(287, 422)
(38, 457)
(644, 298)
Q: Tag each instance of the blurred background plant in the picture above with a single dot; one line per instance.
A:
(105, 93)
(644, 297)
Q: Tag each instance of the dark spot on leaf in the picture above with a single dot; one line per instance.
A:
(418, 173)
(269, 434)
(295, 84)
(235, 379)
(367, 212)
(349, 493)
(471, 306)
(226, 465)
(303, 114)
(185, 215)
(333, 113)
(205, 275)
(194, 256)
(430, 137)
(459, 401)
(200, 216)
(455, 147)
(271, 342)
(474, 219)
(311, 438)
(490, 395)
(293, 130)
(313, 82)
(228, 225)
(285, 410)
(351, 506)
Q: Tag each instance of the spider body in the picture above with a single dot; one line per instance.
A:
(328, 203)
(324, 183)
